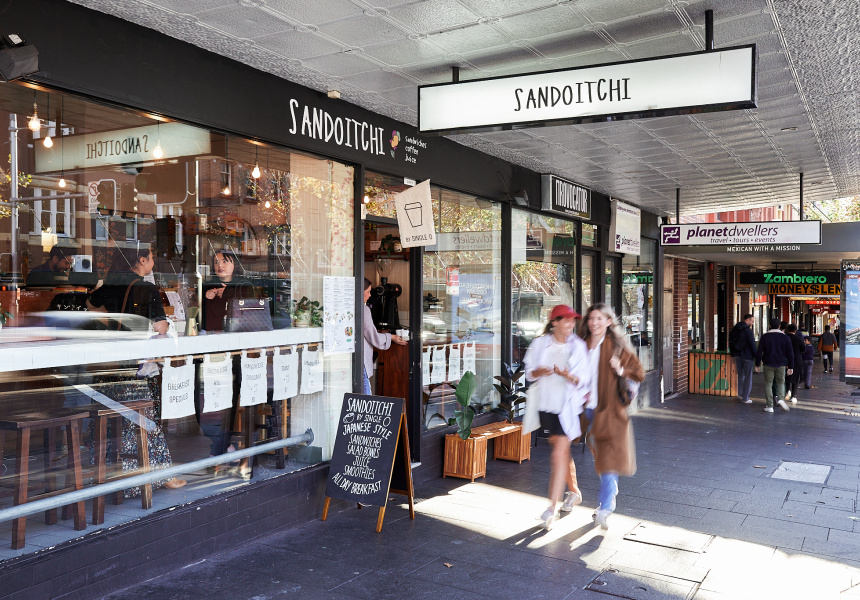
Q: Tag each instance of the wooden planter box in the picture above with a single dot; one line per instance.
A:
(468, 458)
(712, 374)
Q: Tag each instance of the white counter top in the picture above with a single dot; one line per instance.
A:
(23, 355)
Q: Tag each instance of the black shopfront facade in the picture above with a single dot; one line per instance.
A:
(301, 221)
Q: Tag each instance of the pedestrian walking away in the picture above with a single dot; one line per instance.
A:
(612, 361)
(808, 361)
(556, 362)
(742, 348)
(776, 352)
(796, 377)
(826, 345)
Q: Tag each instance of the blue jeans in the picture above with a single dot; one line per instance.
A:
(608, 491)
(744, 368)
(366, 384)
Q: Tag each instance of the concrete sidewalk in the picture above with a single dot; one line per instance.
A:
(718, 509)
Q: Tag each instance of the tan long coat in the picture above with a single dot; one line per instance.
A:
(611, 436)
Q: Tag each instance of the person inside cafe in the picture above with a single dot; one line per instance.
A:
(48, 273)
(126, 291)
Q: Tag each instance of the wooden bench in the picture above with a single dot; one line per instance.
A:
(468, 458)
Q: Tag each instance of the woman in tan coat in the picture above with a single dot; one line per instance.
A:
(611, 434)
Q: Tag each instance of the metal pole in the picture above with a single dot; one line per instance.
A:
(118, 485)
(13, 192)
(677, 206)
(801, 196)
(455, 74)
(709, 30)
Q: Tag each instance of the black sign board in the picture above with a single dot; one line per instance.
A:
(791, 277)
(371, 454)
(565, 197)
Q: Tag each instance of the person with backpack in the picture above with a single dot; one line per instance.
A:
(742, 348)
(777, 354)
(826, 345)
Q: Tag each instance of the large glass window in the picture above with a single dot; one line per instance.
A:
(637, 300)
(140, 244)
(462, 302)
(543, 274)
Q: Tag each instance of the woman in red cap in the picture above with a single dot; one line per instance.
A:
(556, 362)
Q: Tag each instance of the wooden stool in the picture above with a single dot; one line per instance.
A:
(46, 421)
(101, 415)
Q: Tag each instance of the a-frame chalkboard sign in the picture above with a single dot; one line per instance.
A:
(371, 454)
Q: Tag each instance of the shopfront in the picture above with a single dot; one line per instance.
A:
(183, 267)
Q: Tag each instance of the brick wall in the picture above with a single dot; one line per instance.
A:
(679, 325)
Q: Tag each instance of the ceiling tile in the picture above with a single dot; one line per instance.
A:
(433, 15)
(363, 31)
(403, 52)
(192, 6)
(297, 45)
(314, 13)
(541, 23)
(470, 39)
(242, 22)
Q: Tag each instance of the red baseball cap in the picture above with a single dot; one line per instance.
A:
(563, 311)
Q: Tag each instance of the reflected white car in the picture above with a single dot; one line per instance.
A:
(89, 325)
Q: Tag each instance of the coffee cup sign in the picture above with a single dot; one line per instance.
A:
(415, 216)
(370, 459)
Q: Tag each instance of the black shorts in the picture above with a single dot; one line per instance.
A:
(550, 424)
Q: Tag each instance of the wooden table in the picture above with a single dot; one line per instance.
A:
(468, 458)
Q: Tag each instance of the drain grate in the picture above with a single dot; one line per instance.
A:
(669, 537)
(805, 472)
(640, 585)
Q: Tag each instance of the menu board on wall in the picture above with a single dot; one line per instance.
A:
(338, 315)
(371, 453)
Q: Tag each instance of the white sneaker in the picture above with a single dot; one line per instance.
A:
(600, 518)
(747, 401)
(571, 499)
(783, 405)
(793, 400)
(548, 517)
(768, 409)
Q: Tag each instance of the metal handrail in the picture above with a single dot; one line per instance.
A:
(118, 485)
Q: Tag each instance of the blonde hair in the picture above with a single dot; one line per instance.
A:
(614, 331)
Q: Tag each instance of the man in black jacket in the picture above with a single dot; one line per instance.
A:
(775, 351)
(742, 347)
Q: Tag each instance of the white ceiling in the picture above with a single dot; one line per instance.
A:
(377, 52)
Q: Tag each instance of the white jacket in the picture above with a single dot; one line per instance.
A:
(578, 364)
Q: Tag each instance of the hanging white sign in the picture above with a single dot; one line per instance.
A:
(426, 357)
(254, 379)
(312, 372)
(626, 228)
(121, 146)
(773, 235)
(415, 216)
(285, 371)
(683, 84)
(454, 363)
(177, 390)
(469, 356)
(217, 383)
(437, 375)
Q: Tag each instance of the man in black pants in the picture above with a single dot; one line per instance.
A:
(826, 345)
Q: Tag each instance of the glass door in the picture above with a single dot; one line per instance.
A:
(612, 283)
(587, 280)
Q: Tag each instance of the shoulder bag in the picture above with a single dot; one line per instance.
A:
(628, 390)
